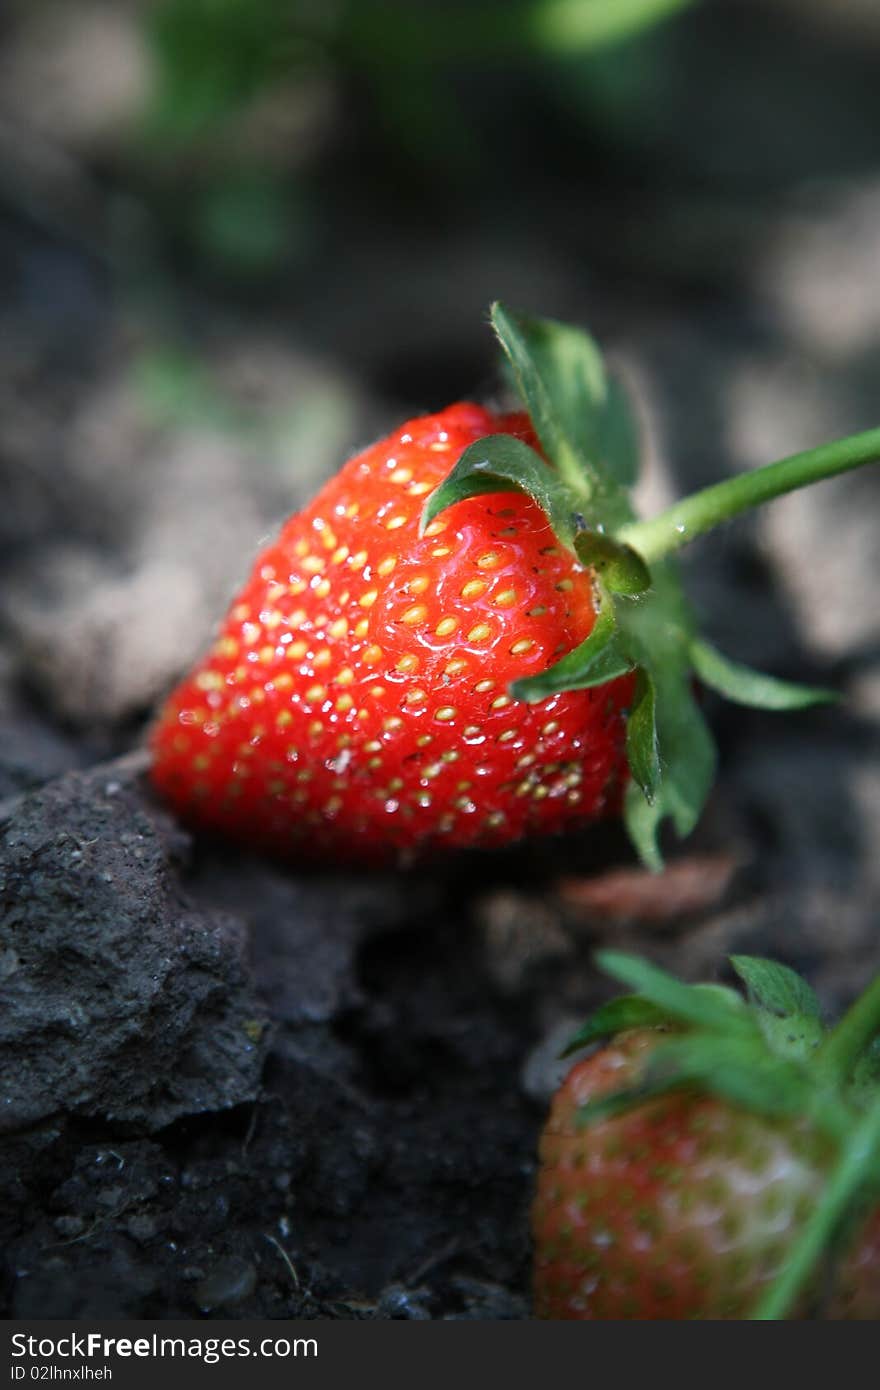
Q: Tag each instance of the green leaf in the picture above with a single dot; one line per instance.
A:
(614, 1103)
(734, 1068)
(748, 687)
(686, 751)
(866, 1073)
(687, 766)
(737, 1068)
(627, 1011)
(641, 738)
(797, 1035)
(642, 819)
(560, 377)
(501, 463)
(585, 427)
(776, 987)
(621, 569)
(787, 1009)
(619, 441)
(598, 659)
(656, 629)
(705, 1007)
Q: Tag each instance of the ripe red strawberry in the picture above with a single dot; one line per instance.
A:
(357, 698)
(430, 658)
(683, 1202)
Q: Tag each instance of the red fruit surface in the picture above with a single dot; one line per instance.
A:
(682, 1208)
(355, 705)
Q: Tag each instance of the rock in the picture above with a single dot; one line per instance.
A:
(118, 999)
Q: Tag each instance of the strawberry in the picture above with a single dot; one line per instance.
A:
(467, 638)
(357, 699)
(692, 1164)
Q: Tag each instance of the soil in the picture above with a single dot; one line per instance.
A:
(232, 1088)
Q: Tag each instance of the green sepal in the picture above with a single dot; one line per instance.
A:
(775, 987)
(502, 463)
(615, 1103)
(620, 568)
(600, 658)
(739, 1069)
(687, 758)
(734, 1068)
(589, 438)
(798, 1035)
(619, 441)
(657, 629)
(641, 738)
(709, 1007)
(642, 820)
(617, 1016)
(584, 428)
(866, 1073)
(747, 687)
(786, 1008)
(687, 755)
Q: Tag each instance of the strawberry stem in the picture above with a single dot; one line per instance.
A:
(856, 1160)
(846, 1043)
(694, 515)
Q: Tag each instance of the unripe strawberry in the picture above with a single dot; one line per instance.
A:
(681, 1164)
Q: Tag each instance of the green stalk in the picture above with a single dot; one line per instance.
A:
(694, 515)
(848, 1040)
(858, 1157)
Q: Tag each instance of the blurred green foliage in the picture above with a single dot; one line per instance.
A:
(212, 57)
(248, 220)
(177, 389)
(216, 59)
(397, 32)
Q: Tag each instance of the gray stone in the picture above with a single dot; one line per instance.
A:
(118, 999)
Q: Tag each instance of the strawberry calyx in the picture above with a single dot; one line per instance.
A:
(768, 1053)
(582, 480)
